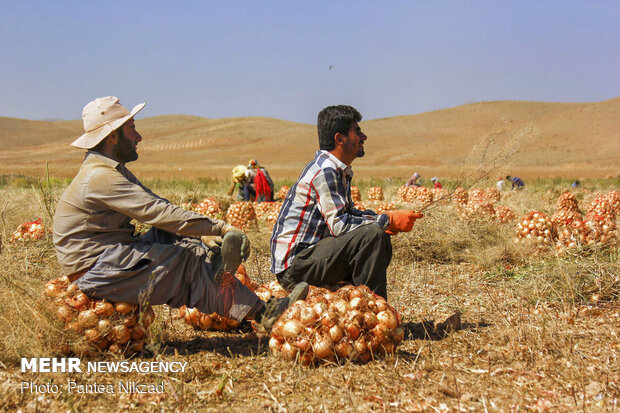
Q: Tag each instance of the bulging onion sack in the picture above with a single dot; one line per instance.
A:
(99, 325)
(352, 323)
(241, 215)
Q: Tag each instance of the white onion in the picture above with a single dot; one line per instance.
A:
(308, 315)
(303, 344)
(53, 290)
(291, 328)
(104, 309)
(288, 351)
(92, 335)
(104, 326)
(322, 347)
(87, 319)
(123, 308)
(121, 334)
(341, 306)
(335, 333)
(388, 319)
(275, 345)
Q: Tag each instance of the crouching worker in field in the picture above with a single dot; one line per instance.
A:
(177, 262)
(319, 237)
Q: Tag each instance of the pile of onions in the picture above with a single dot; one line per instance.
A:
(272, 216)
(438, 195)
(351, 323)
(375, 193)
(401, 194)
(460, 197)
(601, 230)
(564, 217)
(382, 208)
(211, 208)
(120, 328)
(213, 321)
(262, 209)
(478, 208)
(603, 207)
(32, 231)
(567, 202)
(241, 215)
(283, 191)
(423, 195)
(271, 289)
(571, 233)
(355, 194)
(537, 228)
(504, 214)
(360, 206)
(614, 201)
(492, 195)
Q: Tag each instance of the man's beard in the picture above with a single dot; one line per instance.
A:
(124, 150)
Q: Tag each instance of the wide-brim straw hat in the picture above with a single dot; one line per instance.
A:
(101, 117)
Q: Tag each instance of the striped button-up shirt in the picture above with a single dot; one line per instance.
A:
(319, 205)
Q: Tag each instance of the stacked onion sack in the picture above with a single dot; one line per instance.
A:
(120, 328)
(283, 191)
(572, 232)
(209, 207)
(272, 216)
(352, 323)
(241, 215)
(402, 194)
(537, 228)
(460, 197)
(202, 321)
(614, 200)
(355, 194)
(504, 214)
(438, 195)
(567, 202)
(601, 230)
(375, 193)
(262, 209)
(382, 208)
(423, 195)
(492, 195)
(602, 206)
(270, 289)
(478, 209)
(33, 231)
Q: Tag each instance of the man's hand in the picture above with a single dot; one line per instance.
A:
(213, 242)
(402, 221)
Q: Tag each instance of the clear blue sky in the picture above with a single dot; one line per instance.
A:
(272, 58)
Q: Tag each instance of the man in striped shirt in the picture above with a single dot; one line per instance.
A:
(319, 237)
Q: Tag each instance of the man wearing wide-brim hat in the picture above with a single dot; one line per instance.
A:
(178, 262)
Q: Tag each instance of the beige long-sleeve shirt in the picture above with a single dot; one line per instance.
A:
(95, 211)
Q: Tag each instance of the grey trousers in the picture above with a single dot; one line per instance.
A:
(359, 257)
(162, 268)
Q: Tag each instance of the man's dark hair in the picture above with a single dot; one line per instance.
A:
(335, 119)
(100, 145)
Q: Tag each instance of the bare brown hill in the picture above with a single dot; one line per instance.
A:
(569, 139)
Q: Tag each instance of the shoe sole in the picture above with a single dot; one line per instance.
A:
(300, 292)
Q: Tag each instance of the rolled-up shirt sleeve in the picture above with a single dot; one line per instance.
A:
(333, 206)
(116, 192)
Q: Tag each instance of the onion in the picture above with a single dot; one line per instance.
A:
(219, 323)
(72, 289)
(308, 315)
(232, 323)
(343, 349)
(357, 303)
(370, 320)
(53, 290)
(130, 321)
(64, 313)
(291, 328)
(365, 356)
(341, 306)
(356, 293)
(123, 308)
(104, 326)
(335, 333)
(398, 334)
(382, 305)
(74, 326)
(294, 312)
(303, 344)
(320, 308)
(137, 332)
(204, 322)
(360, 345)
(353, 330)
(387, 346)
(80, 301)
(64, 279)
(322, 347)
(87, 319)
(121, 334)
(329, 318)
(275, 345)
(92, 335)
(288, 351)
(388, 319)
(306, 358)
(104, 309)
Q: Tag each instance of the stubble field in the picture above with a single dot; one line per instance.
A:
(540, 330)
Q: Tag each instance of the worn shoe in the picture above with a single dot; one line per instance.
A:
(275, 307)
(229, 258)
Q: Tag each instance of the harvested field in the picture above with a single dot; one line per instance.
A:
(540, 328)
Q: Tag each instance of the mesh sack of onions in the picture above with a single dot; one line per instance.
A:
(424, 195)
(492, 195)
(351, 323)
(360, 206)
(572, 233)
(564, 217)
(478, 209)
(270, 289)
(375, 193)
(439, 196)
(355, 194)
(213, 321)
(209, 207)
(241, 215)
(602, 207)
(614, 200)
(283, 191)
(29, 231)
(460, 197)
(120, 328)
(401, 194)
(272, 216)
(568, 202)
(262, 209)
(504, 214)
(382, 208)
(537, 228)
(601, 230)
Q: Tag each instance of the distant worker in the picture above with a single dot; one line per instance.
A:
(500, 184)
(576, 184)
(258, 183)
(413, 180)
(436, 183)
(238, 180)
(516, 183)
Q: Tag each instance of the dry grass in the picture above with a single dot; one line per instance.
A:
(540, 332)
